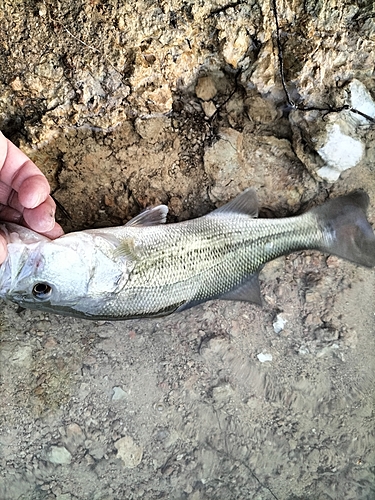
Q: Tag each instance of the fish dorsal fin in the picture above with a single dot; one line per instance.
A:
(249, 291)
(150, 217)
(246, 204)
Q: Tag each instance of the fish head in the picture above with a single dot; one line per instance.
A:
(44, 274)
(77, 274)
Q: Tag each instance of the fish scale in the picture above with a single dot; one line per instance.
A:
(217, 255)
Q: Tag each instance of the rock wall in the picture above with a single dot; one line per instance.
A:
(127, 104)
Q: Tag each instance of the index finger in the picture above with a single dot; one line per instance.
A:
(22, 175)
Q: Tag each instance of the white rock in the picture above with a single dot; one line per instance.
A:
(264, 357)
(279, 324)
(340, 152)
(129, 452)
(58, 455)
(118, 394)
(361, 100)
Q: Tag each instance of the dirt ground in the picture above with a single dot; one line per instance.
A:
(126, 106)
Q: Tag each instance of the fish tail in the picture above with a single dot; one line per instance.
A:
(346, 230)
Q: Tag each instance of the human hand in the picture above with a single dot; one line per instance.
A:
(24, 194)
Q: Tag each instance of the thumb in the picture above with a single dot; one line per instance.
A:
(3, 249)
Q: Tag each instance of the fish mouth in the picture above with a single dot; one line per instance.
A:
(47, 306)
(18, 267)
(5, 279)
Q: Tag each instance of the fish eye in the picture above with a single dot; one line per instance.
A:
(42, 291)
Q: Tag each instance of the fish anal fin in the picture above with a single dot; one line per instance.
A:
(169, 309)
(249, 291)
(246, 204)
(166, 311)
(152, 216)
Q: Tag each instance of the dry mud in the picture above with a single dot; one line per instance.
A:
(126, 105)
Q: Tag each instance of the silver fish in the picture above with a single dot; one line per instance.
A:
(147, 268)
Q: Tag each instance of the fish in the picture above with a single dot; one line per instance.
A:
(148, 268)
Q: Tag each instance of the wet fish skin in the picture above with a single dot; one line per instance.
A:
(147, 268)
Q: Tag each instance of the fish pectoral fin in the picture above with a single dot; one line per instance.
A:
(246, 204)
(126, 248)
(152, 216)
(248, 291)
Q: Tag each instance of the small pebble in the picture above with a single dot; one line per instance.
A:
(264, 357)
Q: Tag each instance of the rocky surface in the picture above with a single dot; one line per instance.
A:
(129, 104)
